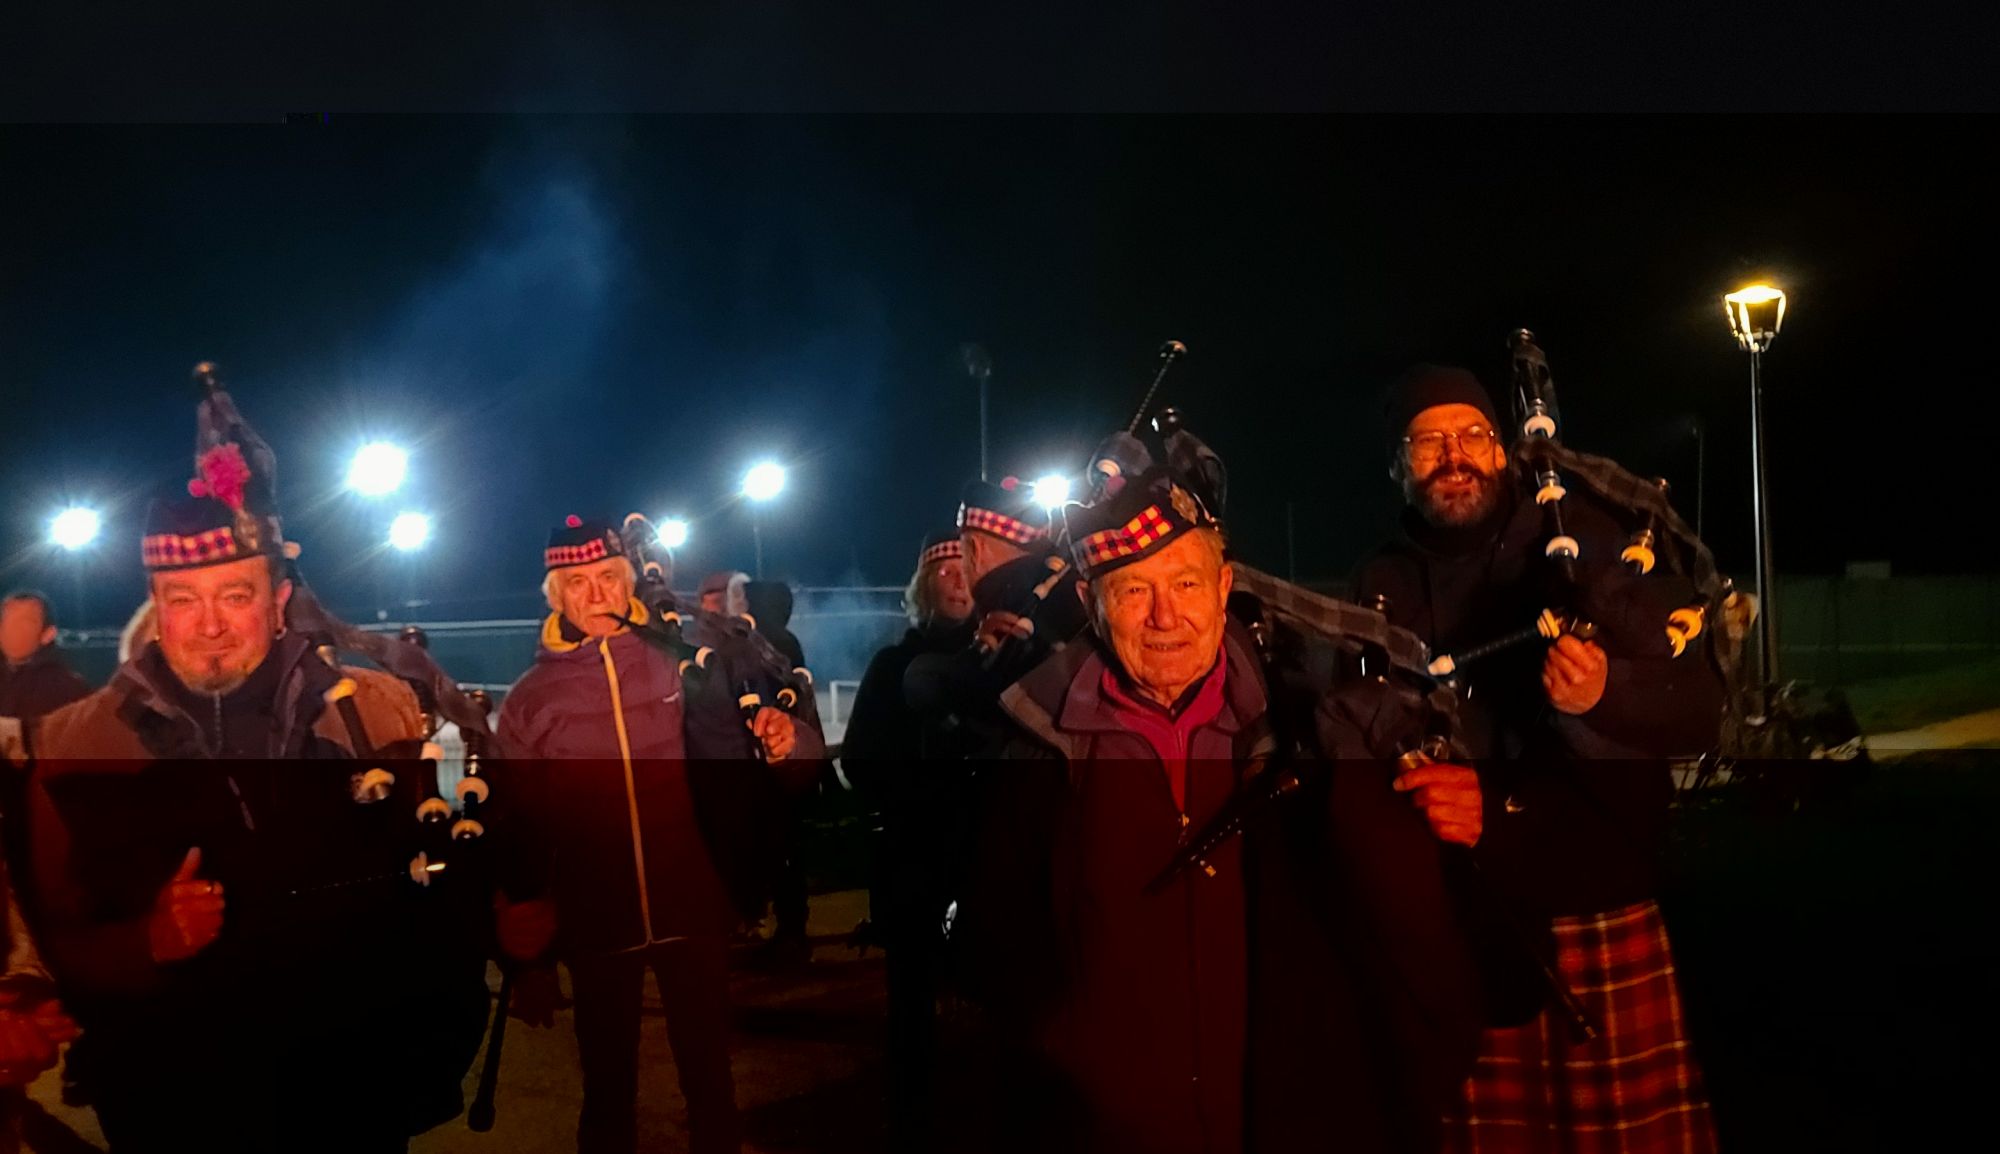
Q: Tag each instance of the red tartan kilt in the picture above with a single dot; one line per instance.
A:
(1635, 1089)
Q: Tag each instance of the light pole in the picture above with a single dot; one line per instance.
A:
(763, 482)
(979, 367)
(1756, 313)
(1700, 472)
(74, 530)
(376, 470)
(409, 533)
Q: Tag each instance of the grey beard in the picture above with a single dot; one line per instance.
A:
(217, 680)
(1464, 513)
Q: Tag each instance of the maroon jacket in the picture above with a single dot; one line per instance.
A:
(638, 805)
(1319, 991)
(1135, 1004)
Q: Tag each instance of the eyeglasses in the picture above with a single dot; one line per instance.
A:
(1427, 447)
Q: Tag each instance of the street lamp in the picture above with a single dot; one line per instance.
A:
(409, 532)
(1755, 314)
(74, 528)
(1052, 491)
(377, 469)
(764, 481)
(673, 532)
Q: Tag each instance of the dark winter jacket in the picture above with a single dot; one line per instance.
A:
(100, 849)
(330, 956)
(653, 808)
(40, 685)
(884, 735)
(1576, 805)
(770, 605)
(958, 693)
(924, 801)
(1316, 992)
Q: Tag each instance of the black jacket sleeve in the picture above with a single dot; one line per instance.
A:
(1007, 926)
(881, 729)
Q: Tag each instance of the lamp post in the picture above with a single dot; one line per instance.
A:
(409, 535)
(763, 482)
(979, 367)
(1700, 473)
(73, 531)
(1756, 313)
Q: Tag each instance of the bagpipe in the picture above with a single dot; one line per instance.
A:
(1590, 600)
(395, 775)
(1594, 598)
(1634, 617)
(722, 655)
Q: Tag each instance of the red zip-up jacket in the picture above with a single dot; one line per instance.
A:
(613, 754)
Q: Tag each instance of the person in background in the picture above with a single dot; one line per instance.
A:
(722, 592)
(35, 680)
(924, 807)
(769, 606)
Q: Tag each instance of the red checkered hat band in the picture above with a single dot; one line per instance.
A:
(173, 551)
(999, 524)
(1108, 548)
(563, 556)
(942, 551)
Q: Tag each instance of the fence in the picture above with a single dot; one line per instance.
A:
(1840, 630)
(1832, 631)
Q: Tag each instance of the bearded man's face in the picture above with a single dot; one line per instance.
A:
(1453, 465)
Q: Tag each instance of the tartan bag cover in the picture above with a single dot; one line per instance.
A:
(1635, 1089)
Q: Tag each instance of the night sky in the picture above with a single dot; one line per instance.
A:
(601, 314)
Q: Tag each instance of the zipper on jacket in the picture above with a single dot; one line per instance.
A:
(242, 803)
(631, 788)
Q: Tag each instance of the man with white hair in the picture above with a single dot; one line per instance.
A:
(637, 770)
(1126, 1003)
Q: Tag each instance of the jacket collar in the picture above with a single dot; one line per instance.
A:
(45, 656)
(558, 635)
(146, 689)
(1061, 700)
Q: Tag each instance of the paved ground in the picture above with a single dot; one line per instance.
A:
(1837, 961)
(808, 1066)
(1973, 731)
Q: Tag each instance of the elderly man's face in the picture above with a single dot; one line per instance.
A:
(1451, 477)
(1164, 615)
(584, 594)
(217, 622)
(23, 630)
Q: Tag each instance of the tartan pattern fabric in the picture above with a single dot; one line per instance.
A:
(942, 551)
(562, 556)
(1335, 619)
(174, 551)
(1635, 1089)
(1122, 542)
(999, 524)
(1616, 485)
